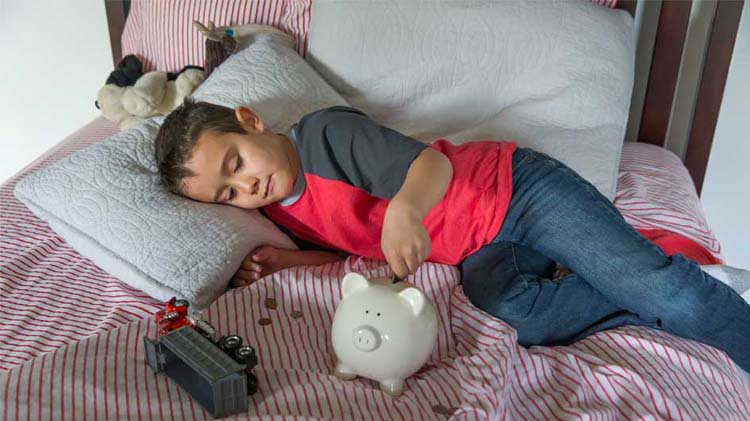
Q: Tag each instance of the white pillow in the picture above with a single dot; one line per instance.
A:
(108, 203)
(553, 75)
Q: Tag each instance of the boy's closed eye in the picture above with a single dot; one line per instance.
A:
(238, 165)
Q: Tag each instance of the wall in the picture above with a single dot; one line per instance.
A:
(56, 56)
(726, 193)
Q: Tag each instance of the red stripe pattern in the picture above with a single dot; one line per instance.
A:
(477, 371)
(162, 35)
(655, 191)
(50, 295)
(606, 3)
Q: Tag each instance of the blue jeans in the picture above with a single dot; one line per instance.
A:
(619, 277)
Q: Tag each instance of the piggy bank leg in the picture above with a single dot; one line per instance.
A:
(392, 387)
(343, 372)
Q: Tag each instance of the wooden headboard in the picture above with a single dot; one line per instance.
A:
(669, 43)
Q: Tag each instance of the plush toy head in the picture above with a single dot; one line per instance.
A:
(128, 101)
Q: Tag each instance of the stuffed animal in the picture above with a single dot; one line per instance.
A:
(219, 45)
(223, 41)
(129, 96)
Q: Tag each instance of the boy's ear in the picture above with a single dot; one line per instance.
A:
(248, 119)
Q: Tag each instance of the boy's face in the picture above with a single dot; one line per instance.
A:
(244, 170)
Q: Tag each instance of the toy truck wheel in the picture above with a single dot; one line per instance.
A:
(252, 383)
(168, 317)
(230, 343)
(246, 355)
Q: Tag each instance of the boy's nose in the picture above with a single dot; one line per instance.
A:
(250, 186)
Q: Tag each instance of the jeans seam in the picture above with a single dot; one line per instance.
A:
(518, 269)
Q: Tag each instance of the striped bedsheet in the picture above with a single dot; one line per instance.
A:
(49, 294)
(476, 372)
(70, 344)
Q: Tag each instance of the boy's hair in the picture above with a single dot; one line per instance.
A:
(179, 134)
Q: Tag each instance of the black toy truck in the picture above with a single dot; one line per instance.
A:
(216, 373)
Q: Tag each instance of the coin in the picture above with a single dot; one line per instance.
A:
(271, 303)
(440, 409)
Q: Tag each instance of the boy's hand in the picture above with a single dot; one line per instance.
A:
(261, 262)
(404, 240)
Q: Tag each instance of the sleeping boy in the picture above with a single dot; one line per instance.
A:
(503, 214)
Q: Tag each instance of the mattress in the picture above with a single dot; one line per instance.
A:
(70, 340)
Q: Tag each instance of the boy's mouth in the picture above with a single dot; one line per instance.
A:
(268, 188)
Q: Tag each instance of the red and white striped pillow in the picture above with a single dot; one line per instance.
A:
(606, 3)
(655, 192)
(162, 35)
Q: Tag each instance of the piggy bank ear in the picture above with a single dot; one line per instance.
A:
(415, 298)
(353, 281)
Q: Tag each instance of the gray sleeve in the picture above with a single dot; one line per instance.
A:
(366, 154)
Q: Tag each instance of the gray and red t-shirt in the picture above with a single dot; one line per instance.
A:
(351, 167)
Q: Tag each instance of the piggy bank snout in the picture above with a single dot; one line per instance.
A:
(366, 338)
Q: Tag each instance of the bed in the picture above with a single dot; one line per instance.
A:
(70, 339)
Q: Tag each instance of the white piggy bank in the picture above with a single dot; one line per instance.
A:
(382, 331)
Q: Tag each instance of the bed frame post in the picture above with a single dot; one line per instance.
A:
(116, 10)
(665, 68)
(716, 63)
(628, 5)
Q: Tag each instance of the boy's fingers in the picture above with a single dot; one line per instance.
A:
(248, 265)
(247, 274)
(414, 260)
(239, 282)
(398, 266)
(412, 264)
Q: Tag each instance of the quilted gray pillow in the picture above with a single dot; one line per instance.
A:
(107, 201)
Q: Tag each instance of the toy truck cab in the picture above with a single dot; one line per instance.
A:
(216, 373)
(174, 316)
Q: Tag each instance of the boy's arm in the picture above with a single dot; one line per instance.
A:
(266, 260)
(404, 240)
(425, 185)
(311, 257)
